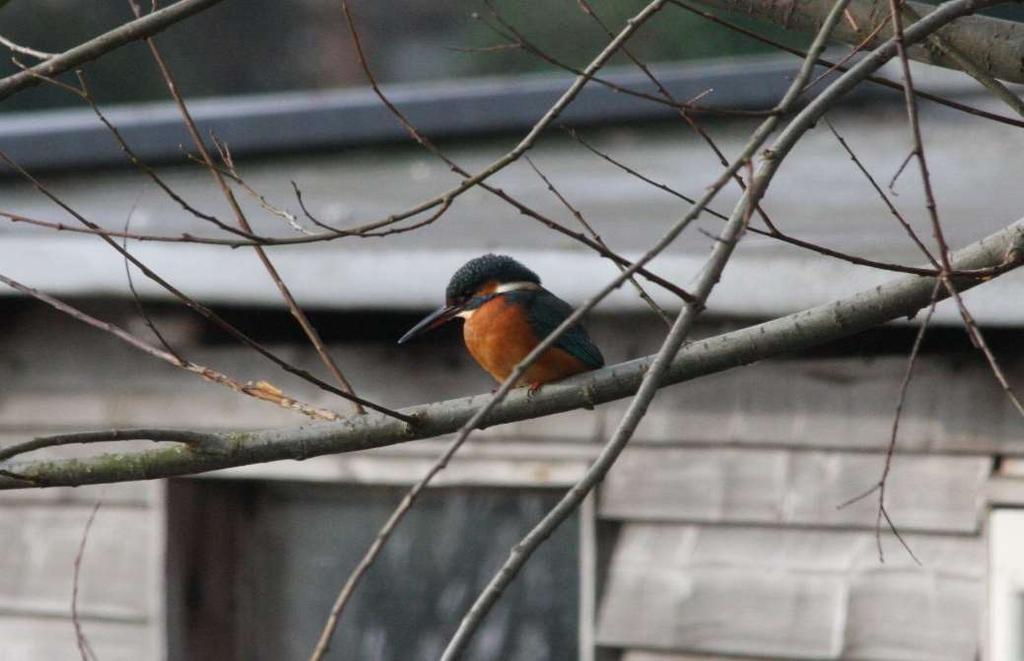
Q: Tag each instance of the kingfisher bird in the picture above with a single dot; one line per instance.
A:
(507, 314)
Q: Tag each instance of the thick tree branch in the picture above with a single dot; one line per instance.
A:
(141, 28)
(997, 45)
(900, 297)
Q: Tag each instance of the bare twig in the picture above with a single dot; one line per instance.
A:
(652, 277)
(17, 477)
(139, 306)
(578, 215)
(528, 140)
(260, 390)
(997, 44)
(84, 648)
(427, 144)
(877, 80)
(83, 92)
(879, 486)
(519, 41)
(885, 198)
(652, 380)
(801, 243)
(243, 223)
(942, 46)
(25, 50)
(974, 332)
(915, 131)
(667, 95)
(978, 339)
(141, 28)
(231, 171)
(840, 65)
(199, 308)
(898, 298)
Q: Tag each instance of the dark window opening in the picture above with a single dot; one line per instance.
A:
(253, 568)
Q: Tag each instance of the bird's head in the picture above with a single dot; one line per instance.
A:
(476, 282)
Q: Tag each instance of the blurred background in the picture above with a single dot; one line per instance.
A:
(716, 537)
(267, 46)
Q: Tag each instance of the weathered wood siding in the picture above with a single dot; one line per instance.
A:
(794, 488)
(719, 530)
(729, 541)
(792, 594)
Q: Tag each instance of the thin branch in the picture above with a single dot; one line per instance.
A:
(683, 114)
(524, 144)
(578, 215)
(973, 331)
(140, 28)
(879, 486)
(877, 80)
(478, 418)
(915, 131)
(519, 41)
(996, 43)
(800, 243)
(903, 166)
(978, 339)
(17, 477)
(260, 390)
(230, 171)
(652, 380)
(900, 297)
(968, 65)
(83, 92)
(907, 227)
(25, 50)
(617, 259)
(139, 306)
(427, 144)
(84, 648)
(194, 305)
(840, 65)
(243, 223)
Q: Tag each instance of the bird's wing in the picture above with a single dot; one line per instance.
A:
(546, 312)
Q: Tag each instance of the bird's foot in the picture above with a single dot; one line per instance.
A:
(532, 390)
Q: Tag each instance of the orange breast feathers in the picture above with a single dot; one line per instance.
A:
(499, 335)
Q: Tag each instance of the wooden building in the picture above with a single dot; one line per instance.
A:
(718, 535)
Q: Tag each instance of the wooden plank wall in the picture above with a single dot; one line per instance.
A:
(88, 381)
(724, 533)
(726, 539)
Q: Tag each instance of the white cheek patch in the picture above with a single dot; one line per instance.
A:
(465, 314)
(515, 286)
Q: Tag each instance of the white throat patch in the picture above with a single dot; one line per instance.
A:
(503, 289)
(515, 286)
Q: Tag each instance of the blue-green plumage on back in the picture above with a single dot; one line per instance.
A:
(546, 312)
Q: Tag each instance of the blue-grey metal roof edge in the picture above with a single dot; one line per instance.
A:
(316, 120)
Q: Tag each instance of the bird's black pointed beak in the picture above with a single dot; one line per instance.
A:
(431, 321)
